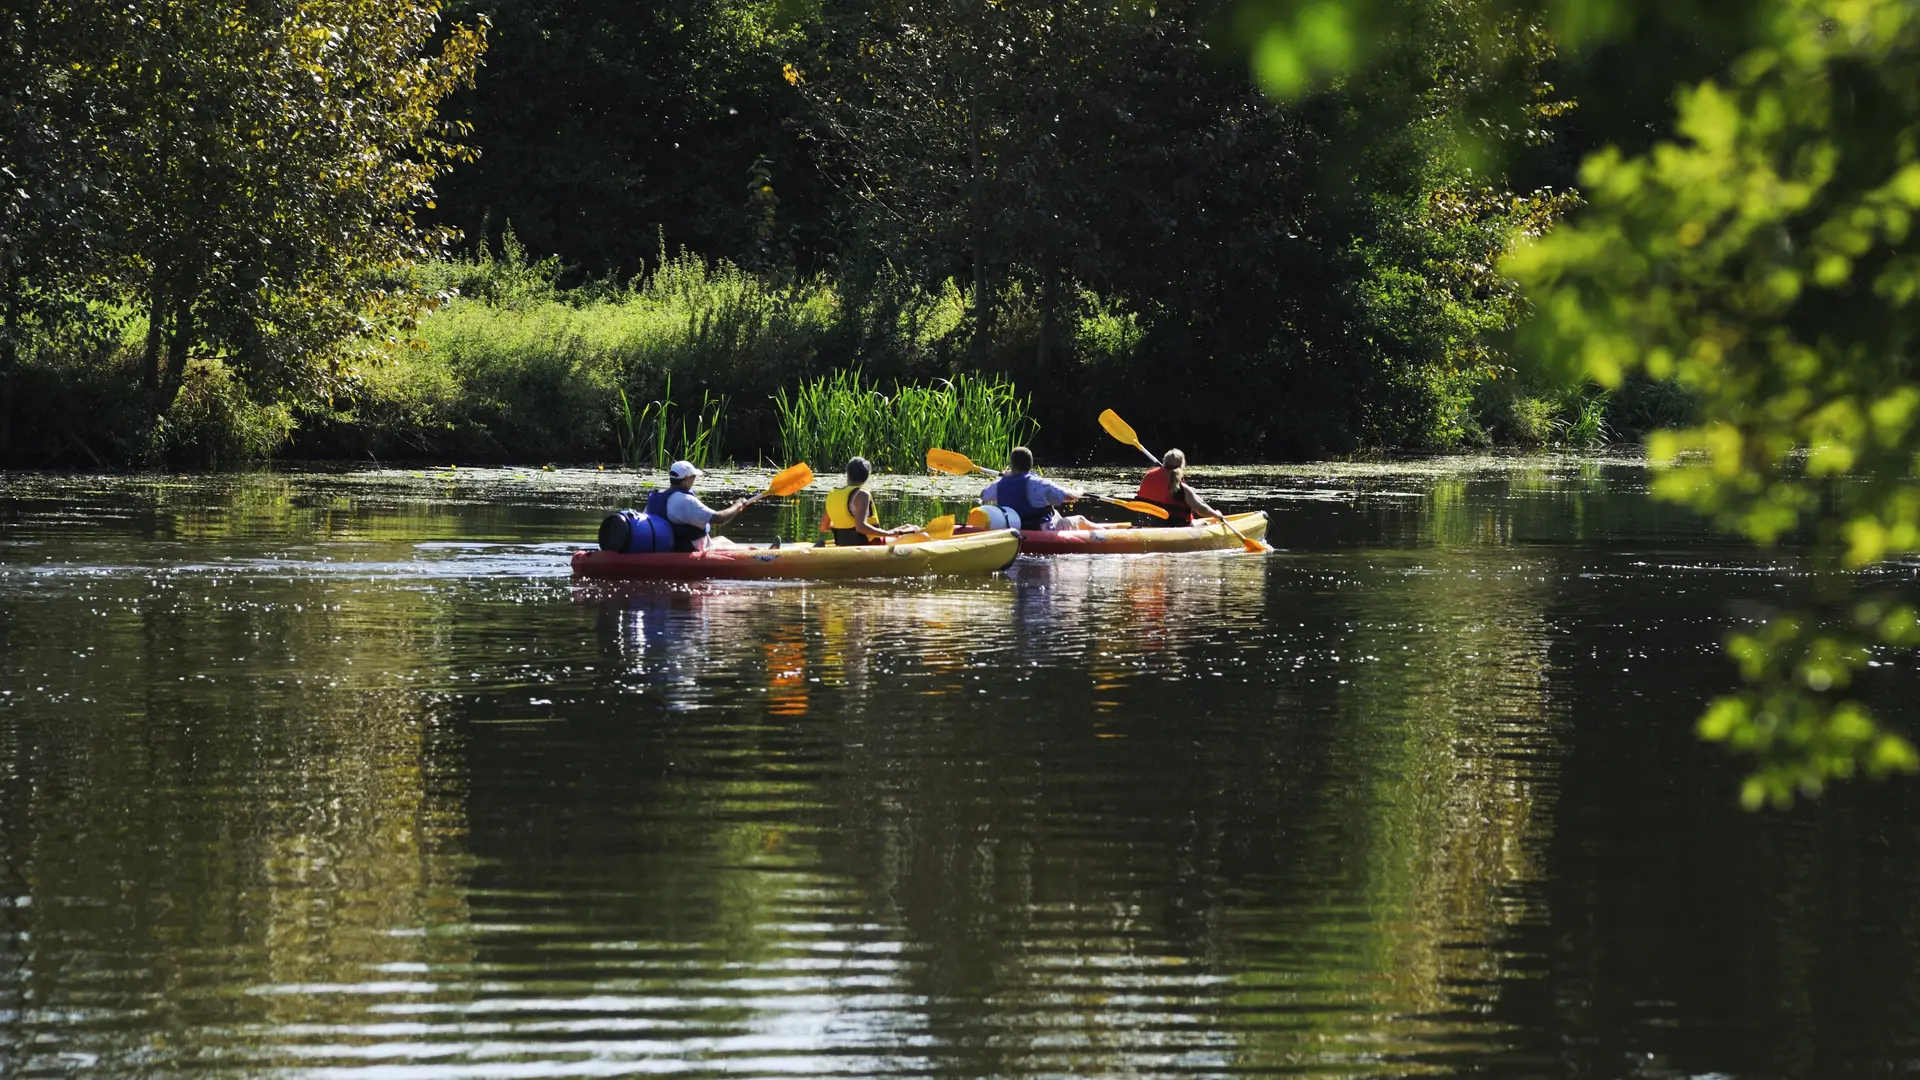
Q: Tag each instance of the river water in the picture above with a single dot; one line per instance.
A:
(339, 775)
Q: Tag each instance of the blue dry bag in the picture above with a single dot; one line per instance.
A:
(633, 532)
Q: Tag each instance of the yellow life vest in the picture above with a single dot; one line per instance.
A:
(839, 516)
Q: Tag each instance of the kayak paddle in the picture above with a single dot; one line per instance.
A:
(785, 482)
(940, 528)
(1123, 431)
(955, 464)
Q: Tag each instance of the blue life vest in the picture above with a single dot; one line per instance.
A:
(684, 536)
(1011, 494)
(632, 532)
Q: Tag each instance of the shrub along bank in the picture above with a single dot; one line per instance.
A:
(700, 358)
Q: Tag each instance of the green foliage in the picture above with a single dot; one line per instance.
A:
(1765, 260)
(841, 416)
(245, 177)
(1532, 420)
(600, 123)
(1051, 190)
(1308, 276)
(1794, 716)
(212, 423)
(1640, 406)
(647, 434)
(534, 371)
(1513, 412)
(1585, 425)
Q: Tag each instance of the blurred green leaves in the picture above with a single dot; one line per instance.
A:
(1765, 258)
(1761, 254)
(1296, 47)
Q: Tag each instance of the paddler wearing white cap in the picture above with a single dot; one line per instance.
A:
(692, 520)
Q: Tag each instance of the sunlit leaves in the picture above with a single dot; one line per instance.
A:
(258, 166)
(1794, 718)
(1765, 258)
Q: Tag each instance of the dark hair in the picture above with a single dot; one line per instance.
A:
(1020, 460)
(858, 469)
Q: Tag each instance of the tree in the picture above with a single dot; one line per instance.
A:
(1766, 259)
(607, 126)
(1324, 265)
(1762, 255)
(50, 185)
(267, 164)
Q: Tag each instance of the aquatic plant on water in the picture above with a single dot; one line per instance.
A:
(645, 433)
(840, 415)
(1587, 428)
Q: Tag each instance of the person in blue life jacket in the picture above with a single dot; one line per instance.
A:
(1036, 499)
(692, 520)
(850, 516)
(1166, 487)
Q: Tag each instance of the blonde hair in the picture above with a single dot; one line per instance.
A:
(1173, 461)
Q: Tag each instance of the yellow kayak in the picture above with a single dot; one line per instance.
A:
(1125, 540)
(972, 553)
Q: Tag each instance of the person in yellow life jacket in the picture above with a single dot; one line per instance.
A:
(1166, 487)
(850, 516)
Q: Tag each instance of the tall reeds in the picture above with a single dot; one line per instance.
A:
(646, 434)
(838, 416)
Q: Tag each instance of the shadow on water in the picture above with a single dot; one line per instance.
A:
(341, 775)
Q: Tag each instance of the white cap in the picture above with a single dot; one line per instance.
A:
(680, 470)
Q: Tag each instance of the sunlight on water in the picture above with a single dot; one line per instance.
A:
(341, 775)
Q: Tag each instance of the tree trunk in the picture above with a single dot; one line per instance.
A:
(156, 336)
(982, 282)
(8, 346)
(179, 342)
(1044, 352)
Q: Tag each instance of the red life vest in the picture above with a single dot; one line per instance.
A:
(1160, 489)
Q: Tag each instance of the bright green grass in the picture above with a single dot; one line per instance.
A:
(840, 416)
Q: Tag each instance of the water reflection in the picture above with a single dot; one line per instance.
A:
(334, 776)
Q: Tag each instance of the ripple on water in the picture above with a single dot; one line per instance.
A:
(335, 776)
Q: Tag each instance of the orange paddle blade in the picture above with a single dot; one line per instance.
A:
(790, 479)
(1118, 428)
(1146, 508)
(1248, 542)
(947, 461)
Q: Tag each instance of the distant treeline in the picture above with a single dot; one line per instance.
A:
(304, 228)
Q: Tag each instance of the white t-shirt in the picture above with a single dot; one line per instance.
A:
(684, 508)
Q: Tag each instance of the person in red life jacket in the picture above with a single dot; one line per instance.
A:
(850, 516)
(692, 520)
(1037, 500)
(1166, 487)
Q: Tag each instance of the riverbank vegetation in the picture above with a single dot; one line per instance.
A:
(393, 232)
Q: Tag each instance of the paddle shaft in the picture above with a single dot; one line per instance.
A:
(1250, 545)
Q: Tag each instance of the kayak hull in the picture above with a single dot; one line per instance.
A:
(1208, 536)
(974, 553)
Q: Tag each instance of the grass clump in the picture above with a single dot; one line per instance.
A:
(839, 416)
(647, 433)
(514, 366)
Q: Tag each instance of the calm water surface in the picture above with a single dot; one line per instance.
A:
(339, 775)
